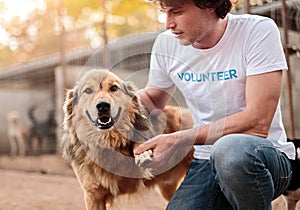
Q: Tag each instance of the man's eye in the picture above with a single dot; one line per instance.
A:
(114, 88)
(176, 12)
(88, 90)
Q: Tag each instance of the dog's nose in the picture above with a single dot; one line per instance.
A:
(103, 106)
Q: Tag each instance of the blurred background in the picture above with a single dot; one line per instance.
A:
(45, 44)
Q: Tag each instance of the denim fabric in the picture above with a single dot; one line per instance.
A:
(245, 172)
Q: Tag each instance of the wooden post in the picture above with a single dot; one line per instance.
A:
(291, 133)
(247, 7)
(105, 53)
(60, 73)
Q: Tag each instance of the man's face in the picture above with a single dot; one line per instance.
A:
(188, 22)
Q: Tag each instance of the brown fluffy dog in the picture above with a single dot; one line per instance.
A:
(103, 122)
(17, 134)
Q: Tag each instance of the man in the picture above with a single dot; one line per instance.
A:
(229, 69)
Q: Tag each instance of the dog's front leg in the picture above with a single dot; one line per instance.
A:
(94, 202)
(290, 203)
(94, 195)
(292, 197)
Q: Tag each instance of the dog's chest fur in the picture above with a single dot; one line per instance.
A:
(101, 157)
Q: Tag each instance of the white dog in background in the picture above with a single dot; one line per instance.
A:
(17, 134)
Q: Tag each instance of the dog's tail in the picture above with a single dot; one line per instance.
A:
(31, 115)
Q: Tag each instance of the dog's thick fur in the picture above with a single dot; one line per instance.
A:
(104, 120)
(292, 195)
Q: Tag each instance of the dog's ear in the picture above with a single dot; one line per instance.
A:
(141, 121)
(130, 89)
(68, 106)
(139, 113)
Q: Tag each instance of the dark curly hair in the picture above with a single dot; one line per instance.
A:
(222, 7)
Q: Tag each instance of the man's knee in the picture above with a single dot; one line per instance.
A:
(227, 147)
(222, 155)
(232, 153)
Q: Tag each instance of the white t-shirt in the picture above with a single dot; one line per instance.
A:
(213, 80)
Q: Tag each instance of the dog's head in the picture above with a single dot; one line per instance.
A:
(13, 117)
(104, 101)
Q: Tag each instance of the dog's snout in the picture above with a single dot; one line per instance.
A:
(103, 106)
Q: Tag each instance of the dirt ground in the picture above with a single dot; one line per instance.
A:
(47, 183)
(34, 191)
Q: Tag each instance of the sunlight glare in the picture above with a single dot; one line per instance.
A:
(162, 17)
(20, 9)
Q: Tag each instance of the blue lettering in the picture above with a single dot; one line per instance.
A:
(210, 76)
(187, 77)
(180, 77)
(232, 73)
(220, 75)
(193, 79)
(199, 78)
(226, 75)
(205, 77)
(213, 76)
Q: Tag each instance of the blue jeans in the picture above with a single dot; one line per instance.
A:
(245, 172)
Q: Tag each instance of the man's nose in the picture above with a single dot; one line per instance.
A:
(170, 24)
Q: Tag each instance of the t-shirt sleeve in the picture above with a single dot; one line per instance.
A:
(264, 52)
(159, 64)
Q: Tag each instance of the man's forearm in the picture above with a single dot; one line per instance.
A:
(156, 98)
(241, 122)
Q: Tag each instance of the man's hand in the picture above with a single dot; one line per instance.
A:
(162, 147)
(166, 152)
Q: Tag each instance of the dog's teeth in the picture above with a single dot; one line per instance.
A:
(104, 123)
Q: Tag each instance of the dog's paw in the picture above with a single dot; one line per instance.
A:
(142, 159)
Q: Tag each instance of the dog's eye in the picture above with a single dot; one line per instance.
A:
(88, 91)
(114, 88)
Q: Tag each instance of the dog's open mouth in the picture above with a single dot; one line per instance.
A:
(104, 121)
